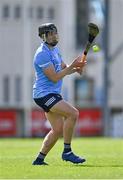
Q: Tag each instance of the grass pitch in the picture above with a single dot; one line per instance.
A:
(104, 159)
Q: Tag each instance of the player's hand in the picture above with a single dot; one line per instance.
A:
(83, 58)
(79, 70)
(77, 62)
(77, 65)
(84, 62)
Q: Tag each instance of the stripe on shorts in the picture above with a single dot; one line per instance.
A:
(50, 101)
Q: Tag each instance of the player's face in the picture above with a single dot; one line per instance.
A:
(52, 38)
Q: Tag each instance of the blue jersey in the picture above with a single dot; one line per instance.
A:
(44, 57)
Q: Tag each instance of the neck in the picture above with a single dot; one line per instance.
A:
(49, 46)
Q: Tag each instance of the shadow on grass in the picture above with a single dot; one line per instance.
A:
(96, 165)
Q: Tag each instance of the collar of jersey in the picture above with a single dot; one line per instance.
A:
(46, 47)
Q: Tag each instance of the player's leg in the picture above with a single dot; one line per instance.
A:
(56, 131)
(56, 121)
(71, 115)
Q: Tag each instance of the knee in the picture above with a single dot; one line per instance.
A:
(75, 114)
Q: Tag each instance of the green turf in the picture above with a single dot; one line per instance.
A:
(104, 159)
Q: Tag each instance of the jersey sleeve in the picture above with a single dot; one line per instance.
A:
(44, 60)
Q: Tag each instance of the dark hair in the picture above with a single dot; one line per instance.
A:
(45, 28)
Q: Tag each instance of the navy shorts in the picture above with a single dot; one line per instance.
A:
(48, 101)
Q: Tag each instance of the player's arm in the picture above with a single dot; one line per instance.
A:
(76, 69)
(56, 76)
(66, 65)
(63, 65)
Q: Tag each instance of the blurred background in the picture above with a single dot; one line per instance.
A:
(98, 94)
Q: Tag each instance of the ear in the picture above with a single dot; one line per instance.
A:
(44, 37)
